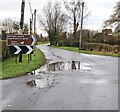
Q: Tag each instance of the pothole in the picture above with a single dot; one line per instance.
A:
(44, 82)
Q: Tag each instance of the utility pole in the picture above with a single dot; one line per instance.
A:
(119, 23)
(29, 55)
(34, 21)
(80, 39)
(21, 23)
(34, 29)
(30, 26)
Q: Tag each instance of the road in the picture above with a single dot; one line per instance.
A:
(68, 81)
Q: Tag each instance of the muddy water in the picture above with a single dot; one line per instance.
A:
(45, 81)
(44, 78)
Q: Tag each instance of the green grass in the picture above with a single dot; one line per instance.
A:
(75, 49)
(10, 69)
(39, 43)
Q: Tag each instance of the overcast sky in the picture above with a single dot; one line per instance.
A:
(100, 10)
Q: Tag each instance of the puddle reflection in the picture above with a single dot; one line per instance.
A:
(62, 66)
(73, 65)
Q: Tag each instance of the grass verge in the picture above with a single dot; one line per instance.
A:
(75, 49)
(39, 43)
(10, 69)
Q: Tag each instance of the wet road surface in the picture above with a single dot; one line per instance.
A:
(68, 81)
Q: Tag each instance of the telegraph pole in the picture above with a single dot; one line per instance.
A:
(30, 26)
(80, 39)
(34, 21)
(29, 55)
(34, 28)
(21, 23)
(119, 23)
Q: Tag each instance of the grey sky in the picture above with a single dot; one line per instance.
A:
(100, 10)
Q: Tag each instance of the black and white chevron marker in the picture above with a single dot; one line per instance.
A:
(21, 49)
(34, 40)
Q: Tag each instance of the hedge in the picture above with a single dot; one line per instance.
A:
(4, 50)
(102, 47)
(69, 43)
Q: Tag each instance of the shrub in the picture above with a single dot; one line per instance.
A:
(4, 49)
(64, 42)
(101, 47)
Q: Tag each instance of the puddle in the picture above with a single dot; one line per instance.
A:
(61, 66)
(46, 81)
(69, 65)
(45, 78)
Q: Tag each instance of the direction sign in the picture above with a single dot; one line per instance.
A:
(20, 40)
(21, 49)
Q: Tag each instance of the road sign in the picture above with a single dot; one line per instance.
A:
(20, 40)
(21, 49)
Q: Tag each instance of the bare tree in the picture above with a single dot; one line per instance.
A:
(26, 28)
(16, 26)
(54, 21)
(114, 19)
(11, 26)
(6, 25)
(74, 9)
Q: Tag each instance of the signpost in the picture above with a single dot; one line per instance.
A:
(21, 44)
(20, 40)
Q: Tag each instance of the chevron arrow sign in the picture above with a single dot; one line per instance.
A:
(21, 49)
